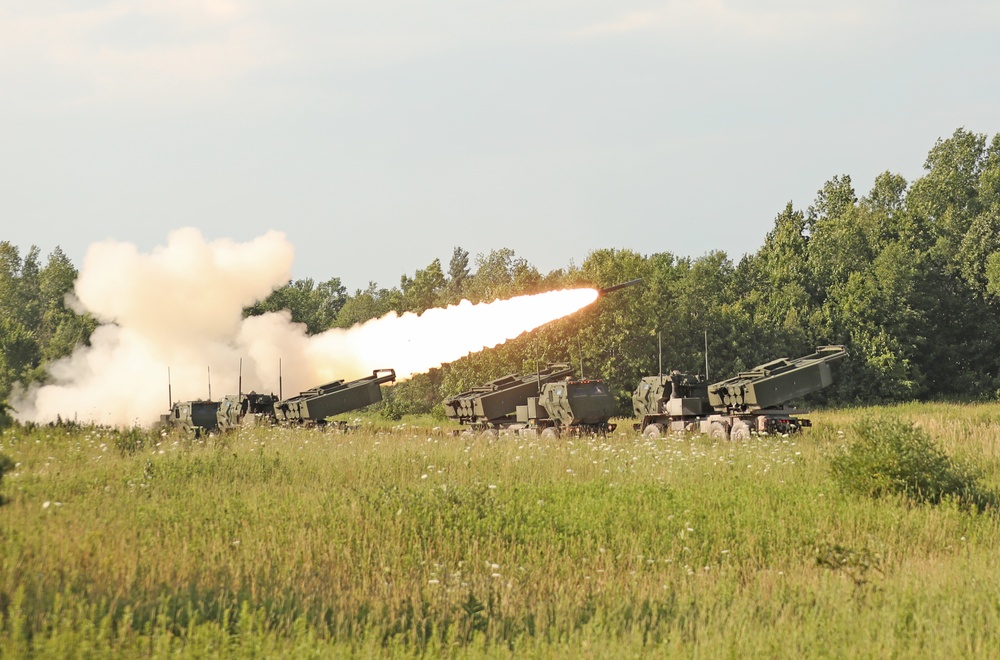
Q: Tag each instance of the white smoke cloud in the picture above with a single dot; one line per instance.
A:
(180, 308)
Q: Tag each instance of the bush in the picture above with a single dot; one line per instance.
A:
(892, 457)
(133, 439)
(6, 465)
(5, 417)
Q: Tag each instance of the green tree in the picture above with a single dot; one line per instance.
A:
(458, 273)
(370, 303)
(316, 306)
(992, 273)
(773, 289)
(834, 198)
(980, 241)
(949, 193)
(501, 274)
(425, 289)
(19, 353)
(61, 329)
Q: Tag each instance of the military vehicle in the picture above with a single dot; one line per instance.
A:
(494, 404)
(574, 406)
(245, 410)
(192, 417)
(548, 401)
(311, 407)
(751, 402)
(315, 405)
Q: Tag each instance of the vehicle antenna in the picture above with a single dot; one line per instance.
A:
(706, 355)
(280, 397)
(170, 391)
(659, 350)
(210, 383)
(240, 386)
(579, 346)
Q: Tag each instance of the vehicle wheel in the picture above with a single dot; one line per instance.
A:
(741, 431)
(717, 431)
(653, 431)
(550, 433)
(489, 434)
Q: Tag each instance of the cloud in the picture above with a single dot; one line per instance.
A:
(753, 21)
(147, 49)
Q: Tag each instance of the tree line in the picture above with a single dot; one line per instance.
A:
(907, 276)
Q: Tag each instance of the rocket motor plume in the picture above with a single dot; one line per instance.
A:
(181, 306)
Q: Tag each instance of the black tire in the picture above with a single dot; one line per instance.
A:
(741, 431)
(718, 431)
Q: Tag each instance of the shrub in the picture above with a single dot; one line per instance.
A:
(133, 439)
(5, 418)
(6, 465)
(892, 457)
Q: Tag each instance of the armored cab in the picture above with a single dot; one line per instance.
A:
(494, 405)
(237, 410)
(570, 405)
(675, 394)
(195, 418)
(751, 402)
(315, 405)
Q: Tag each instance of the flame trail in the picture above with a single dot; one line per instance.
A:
(181, 306)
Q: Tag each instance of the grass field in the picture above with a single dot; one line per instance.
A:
(406, 541)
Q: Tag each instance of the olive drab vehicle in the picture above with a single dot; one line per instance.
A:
(196, 418)
(581, 406)
(313, 406)
(251, 409)
(751, 402)
(548, 401)
(494, 404)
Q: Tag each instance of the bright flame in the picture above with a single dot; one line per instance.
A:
(412, 344)
(181, 307)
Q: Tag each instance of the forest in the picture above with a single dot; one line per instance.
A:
(906, 276)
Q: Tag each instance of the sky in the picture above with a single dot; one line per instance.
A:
(380, 135)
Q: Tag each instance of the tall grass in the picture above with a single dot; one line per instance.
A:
(405, 541)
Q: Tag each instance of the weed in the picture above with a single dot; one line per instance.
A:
(856, 564)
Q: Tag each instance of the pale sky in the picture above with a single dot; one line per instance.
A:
(379, 135)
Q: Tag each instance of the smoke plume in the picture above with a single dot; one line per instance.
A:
(181, 307)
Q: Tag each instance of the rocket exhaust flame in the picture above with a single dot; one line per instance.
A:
(181, 306)
(414, 344)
